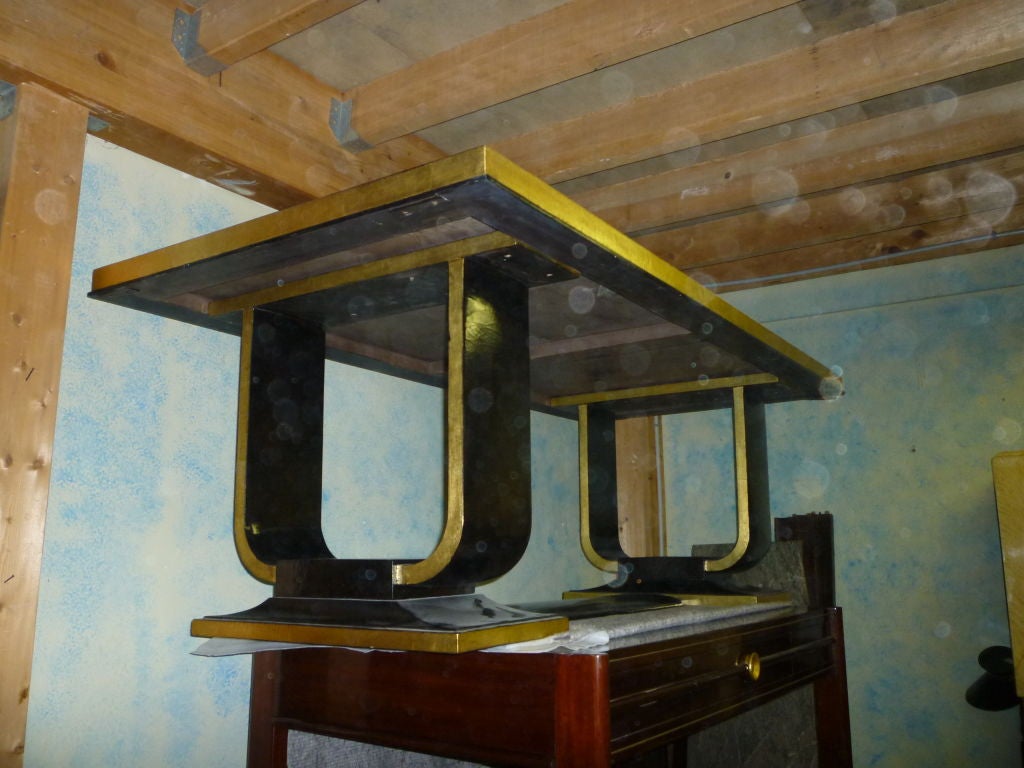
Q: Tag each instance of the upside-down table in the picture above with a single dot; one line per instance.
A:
(472, 275)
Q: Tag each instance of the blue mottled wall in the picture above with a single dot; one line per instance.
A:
(933, 358)
(138, 537)
(138, 532)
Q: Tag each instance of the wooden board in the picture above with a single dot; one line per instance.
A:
(232, 30)
(929, 135)
(570, 40)
(263, 132)
(41, 163)
(841, 70)
(984, 190)
(637, 459)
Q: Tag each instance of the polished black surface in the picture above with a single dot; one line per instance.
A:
(284, 450)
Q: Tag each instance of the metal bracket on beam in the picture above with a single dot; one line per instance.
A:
(185, 36)
(7, 95)
(96, 124)
(9, 92)
(341, 127)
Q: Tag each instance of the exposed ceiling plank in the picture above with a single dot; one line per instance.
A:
(223, 32)
(117, 58)
(951, 130)
(298, 105)
(899, 246)
(919, 47)
(829, 17)
(570, 40)
(985, 188)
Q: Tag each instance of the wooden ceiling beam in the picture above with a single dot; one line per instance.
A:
(983, 189)
(262, 132)
(955, 129)
(298, 105)
(901, 246)
(948, 237)
(913, 49)
(223, 32)
(572, 39)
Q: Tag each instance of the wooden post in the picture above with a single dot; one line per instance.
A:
(637, 452)
(268, 742)
(41, 150)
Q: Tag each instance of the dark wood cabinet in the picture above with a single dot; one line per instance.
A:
(554, 709)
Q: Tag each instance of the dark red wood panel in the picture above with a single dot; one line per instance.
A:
(488, 707)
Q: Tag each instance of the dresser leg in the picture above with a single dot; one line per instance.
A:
(268, 743)
(831, 706)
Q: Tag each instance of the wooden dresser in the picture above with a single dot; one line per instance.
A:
(629, 706)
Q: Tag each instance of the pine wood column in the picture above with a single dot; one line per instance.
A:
(637, 455)
(640, 523)
(41, 151)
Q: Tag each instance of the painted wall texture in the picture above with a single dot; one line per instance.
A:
(138, 538)
(933, 359)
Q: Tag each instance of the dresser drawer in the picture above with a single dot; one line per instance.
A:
(660, 692)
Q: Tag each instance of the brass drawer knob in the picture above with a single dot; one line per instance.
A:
(751, 665)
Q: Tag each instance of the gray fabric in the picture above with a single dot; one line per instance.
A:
(778, 734)
(308, 750)
(781, 569)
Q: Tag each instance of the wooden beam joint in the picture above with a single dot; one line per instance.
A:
(185, 36)
(224, 32)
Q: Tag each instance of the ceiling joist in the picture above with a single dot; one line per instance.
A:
(572, 39)
(984, 191)
(223, 32)
(823, 135)
(898, 246)
(949, 130)
(264, 134)
(916, 48)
